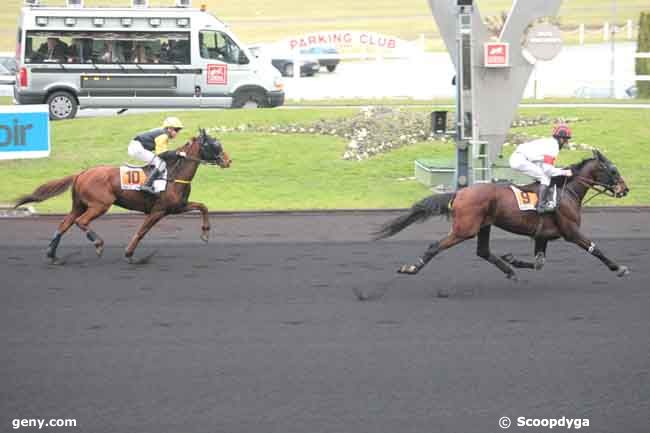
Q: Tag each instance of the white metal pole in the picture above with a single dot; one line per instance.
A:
(581, 34)
(629, 29)
(612, 79)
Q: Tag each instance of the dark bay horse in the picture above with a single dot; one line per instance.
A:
(474, 210)
(95, 190)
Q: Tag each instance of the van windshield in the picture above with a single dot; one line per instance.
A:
(217, 45)
(107, 47)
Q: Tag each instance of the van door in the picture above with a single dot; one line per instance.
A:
(225, 67)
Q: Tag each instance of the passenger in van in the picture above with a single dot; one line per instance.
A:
(78, 51)
(148, 145)
(139, 54)
(152, 55)
(175, 52)
(53, 50)
(112, 52)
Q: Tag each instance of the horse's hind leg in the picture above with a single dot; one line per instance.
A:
(540, 257)
(483, 251)
(433, 250)
(64, 226)
(83, 223)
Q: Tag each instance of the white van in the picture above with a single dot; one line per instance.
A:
(139, 57)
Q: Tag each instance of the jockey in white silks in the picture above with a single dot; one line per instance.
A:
(537, 159)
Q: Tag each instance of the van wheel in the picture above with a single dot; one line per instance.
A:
(62, 105)
(331, 68)
(249, 99)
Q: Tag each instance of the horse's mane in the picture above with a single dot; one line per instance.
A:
(578, 165)
(575, 169)
(173, 157)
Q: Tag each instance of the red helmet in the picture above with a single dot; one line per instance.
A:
(562, 131)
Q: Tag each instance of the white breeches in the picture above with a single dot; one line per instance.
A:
(138, 152)
(520, 163)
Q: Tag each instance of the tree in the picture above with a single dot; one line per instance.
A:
(643, 46)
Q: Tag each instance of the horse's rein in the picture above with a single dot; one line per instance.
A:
(193, 159)
(592, 184)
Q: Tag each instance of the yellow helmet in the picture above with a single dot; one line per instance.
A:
(172, 122)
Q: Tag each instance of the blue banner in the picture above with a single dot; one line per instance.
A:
(24, 131)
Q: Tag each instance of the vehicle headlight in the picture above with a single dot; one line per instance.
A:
(278, 83)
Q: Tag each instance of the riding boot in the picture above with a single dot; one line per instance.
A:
(148, 185)
(545, 203)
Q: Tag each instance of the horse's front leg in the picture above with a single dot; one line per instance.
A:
(205, 220)
(581, 240)
(149, 222)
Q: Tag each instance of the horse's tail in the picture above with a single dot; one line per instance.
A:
(47, 190)
(437, 204)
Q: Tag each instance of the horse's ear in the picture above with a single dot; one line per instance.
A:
(599, 156)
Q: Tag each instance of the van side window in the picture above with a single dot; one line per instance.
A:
(116, 47)
(216, 45)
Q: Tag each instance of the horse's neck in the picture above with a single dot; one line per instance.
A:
(186, 168)
(578, 186)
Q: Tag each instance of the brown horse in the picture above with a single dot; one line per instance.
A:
(476, 209)
(95, 190)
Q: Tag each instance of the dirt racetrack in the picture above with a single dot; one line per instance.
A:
(259, 330)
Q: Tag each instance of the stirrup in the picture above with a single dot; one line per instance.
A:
(149, 189)
(544, 208)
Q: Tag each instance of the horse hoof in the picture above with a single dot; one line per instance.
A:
(508, 258)
(623, 271)
(141, 261)
(408, 270)
(513, 277)
(99, 250)
(205, 236)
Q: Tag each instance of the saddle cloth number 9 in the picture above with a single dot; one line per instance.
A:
(132, 178)
(525, 200)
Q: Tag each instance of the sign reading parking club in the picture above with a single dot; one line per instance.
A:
(346, 39)
(217, 74)
(496, 54)
(24, 132)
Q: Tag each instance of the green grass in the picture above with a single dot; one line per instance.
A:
(273, 171)
(448, 101)
(264, 21)
(358, 102)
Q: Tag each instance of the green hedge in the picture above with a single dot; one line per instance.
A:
(643, 46)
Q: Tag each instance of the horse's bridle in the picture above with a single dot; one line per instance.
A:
(219, 158)
(599, 187)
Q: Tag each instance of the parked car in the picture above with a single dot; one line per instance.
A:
(327, 56)
(8, 60)
(592, 92)
(6, 77)
(632, 92)
(283, 61)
